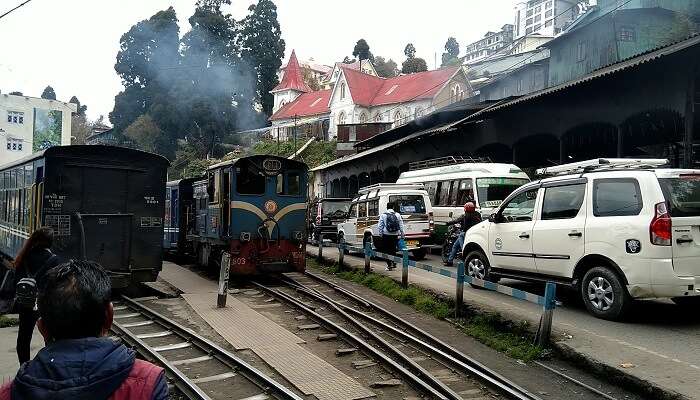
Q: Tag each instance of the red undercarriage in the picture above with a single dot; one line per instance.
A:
(258, 257)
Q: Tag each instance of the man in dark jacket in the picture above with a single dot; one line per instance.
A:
(470, 218)
(79, 362)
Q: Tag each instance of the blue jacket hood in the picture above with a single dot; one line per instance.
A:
(76, 369)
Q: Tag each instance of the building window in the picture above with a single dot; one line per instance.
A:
(14, 144)
(538, 9)
(528, 21)
(548, 13)
(581, 51)
(341, 118)
(342, 90)
(627, 34)
(456, 94)
(363, 117)
(548, 23)
(528, 31)
(419, 112)
(538, 18)
(378, 117)
(529, 13)
(520, 85)
(397, 116)
(548, 4)
(15, 117)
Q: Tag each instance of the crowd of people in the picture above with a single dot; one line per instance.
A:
(70, 303)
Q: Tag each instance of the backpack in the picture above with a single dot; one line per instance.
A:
(392, 223)
(27, 291)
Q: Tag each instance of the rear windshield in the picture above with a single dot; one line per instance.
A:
(409, 204)
(339, 208)
(492, 191)
(683, 195)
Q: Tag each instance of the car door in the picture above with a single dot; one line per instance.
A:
(510, 235)
(349, 227)
(558, 235)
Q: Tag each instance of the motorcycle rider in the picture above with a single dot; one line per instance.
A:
(466, 221)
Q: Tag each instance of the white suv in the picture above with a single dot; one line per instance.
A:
(615, 229)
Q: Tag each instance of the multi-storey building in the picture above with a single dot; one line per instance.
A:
(491, 43)
(546, 17)
(30, 124)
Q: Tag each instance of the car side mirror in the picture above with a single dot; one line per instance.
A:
(493, 218)
(450, 214)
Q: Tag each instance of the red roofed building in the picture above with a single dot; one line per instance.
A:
(360, 98)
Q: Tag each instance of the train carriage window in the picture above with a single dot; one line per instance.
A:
(290, 187)
(250, 179)
(28, 170)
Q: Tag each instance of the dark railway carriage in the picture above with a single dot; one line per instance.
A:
(104, 203)
(179, 216)
(254, 208)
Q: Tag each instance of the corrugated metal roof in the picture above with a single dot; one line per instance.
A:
(644, 58)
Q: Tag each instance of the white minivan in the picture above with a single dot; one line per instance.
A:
(614, 229)
(452, 181)
(360, 226)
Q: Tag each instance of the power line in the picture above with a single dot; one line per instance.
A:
(6, 13)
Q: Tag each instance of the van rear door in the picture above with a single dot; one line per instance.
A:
(682, 192)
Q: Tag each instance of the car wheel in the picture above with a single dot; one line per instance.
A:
(419, 254)
(693, 301)
(604, 294)
(476, 265)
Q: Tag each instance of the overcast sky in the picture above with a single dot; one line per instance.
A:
(72, 44)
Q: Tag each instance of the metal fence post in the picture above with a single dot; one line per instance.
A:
(341, 252)
(404, 269)
(459, 294)
(368, 256)
(223, 280)
(544, 331)
(320, 247)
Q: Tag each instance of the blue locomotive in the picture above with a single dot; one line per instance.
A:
(253, 208)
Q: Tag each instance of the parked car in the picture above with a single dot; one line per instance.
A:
(614, 229)
(325, 215)
(413, 205)
(452, 181)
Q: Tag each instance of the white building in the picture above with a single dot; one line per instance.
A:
(357, 97)
(364, 66)
(30, 124)
(546, 17)
(491, 43)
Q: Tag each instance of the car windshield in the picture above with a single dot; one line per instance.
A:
(683, 195)
(335, 208)
(409, 204)
(492, 191)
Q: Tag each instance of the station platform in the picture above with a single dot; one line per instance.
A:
(245, 328)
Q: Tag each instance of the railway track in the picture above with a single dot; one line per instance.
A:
(426, 363)
(190, 360)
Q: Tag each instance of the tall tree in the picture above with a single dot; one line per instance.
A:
(361, 51)
(81, 108)
(348, 60)
(451, 54)
(264, 47)
(385, 69)
(48, 93)
(412, 63)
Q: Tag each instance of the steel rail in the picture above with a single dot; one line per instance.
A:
(430, 343)
(359, 342)
(264, 382)
(181, 381)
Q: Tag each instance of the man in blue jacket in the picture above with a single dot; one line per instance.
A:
(79, 362)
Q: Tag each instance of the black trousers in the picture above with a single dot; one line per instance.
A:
(390, 244)
(27, 320)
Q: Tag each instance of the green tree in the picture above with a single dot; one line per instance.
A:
(310, 79)
(410, 51)
(361, 51)
(81, 108)
(146, 134)
(48, 93)
(385, 69)
(264, 47)
(412, 63)
(348, 60)
(451, 54)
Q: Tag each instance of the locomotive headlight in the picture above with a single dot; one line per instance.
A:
(298, 235)
(245, 236)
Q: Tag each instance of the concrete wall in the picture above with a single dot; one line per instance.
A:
(16, 133)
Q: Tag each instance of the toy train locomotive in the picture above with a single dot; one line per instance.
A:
(104, 204)
(253, 208)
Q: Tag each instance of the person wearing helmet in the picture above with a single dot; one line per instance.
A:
(470, 218)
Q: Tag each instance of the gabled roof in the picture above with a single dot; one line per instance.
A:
(367, 90)
(308, 104)
(293, 78)
(357, 66)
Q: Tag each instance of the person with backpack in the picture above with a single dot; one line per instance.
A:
(80, 361)
(31, 264)
(390, 228)
(470, 218)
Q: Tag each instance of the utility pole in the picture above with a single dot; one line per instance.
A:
(295, 135)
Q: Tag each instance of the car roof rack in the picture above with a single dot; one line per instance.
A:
(602, 164)
(442, 161)
(391, 186)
